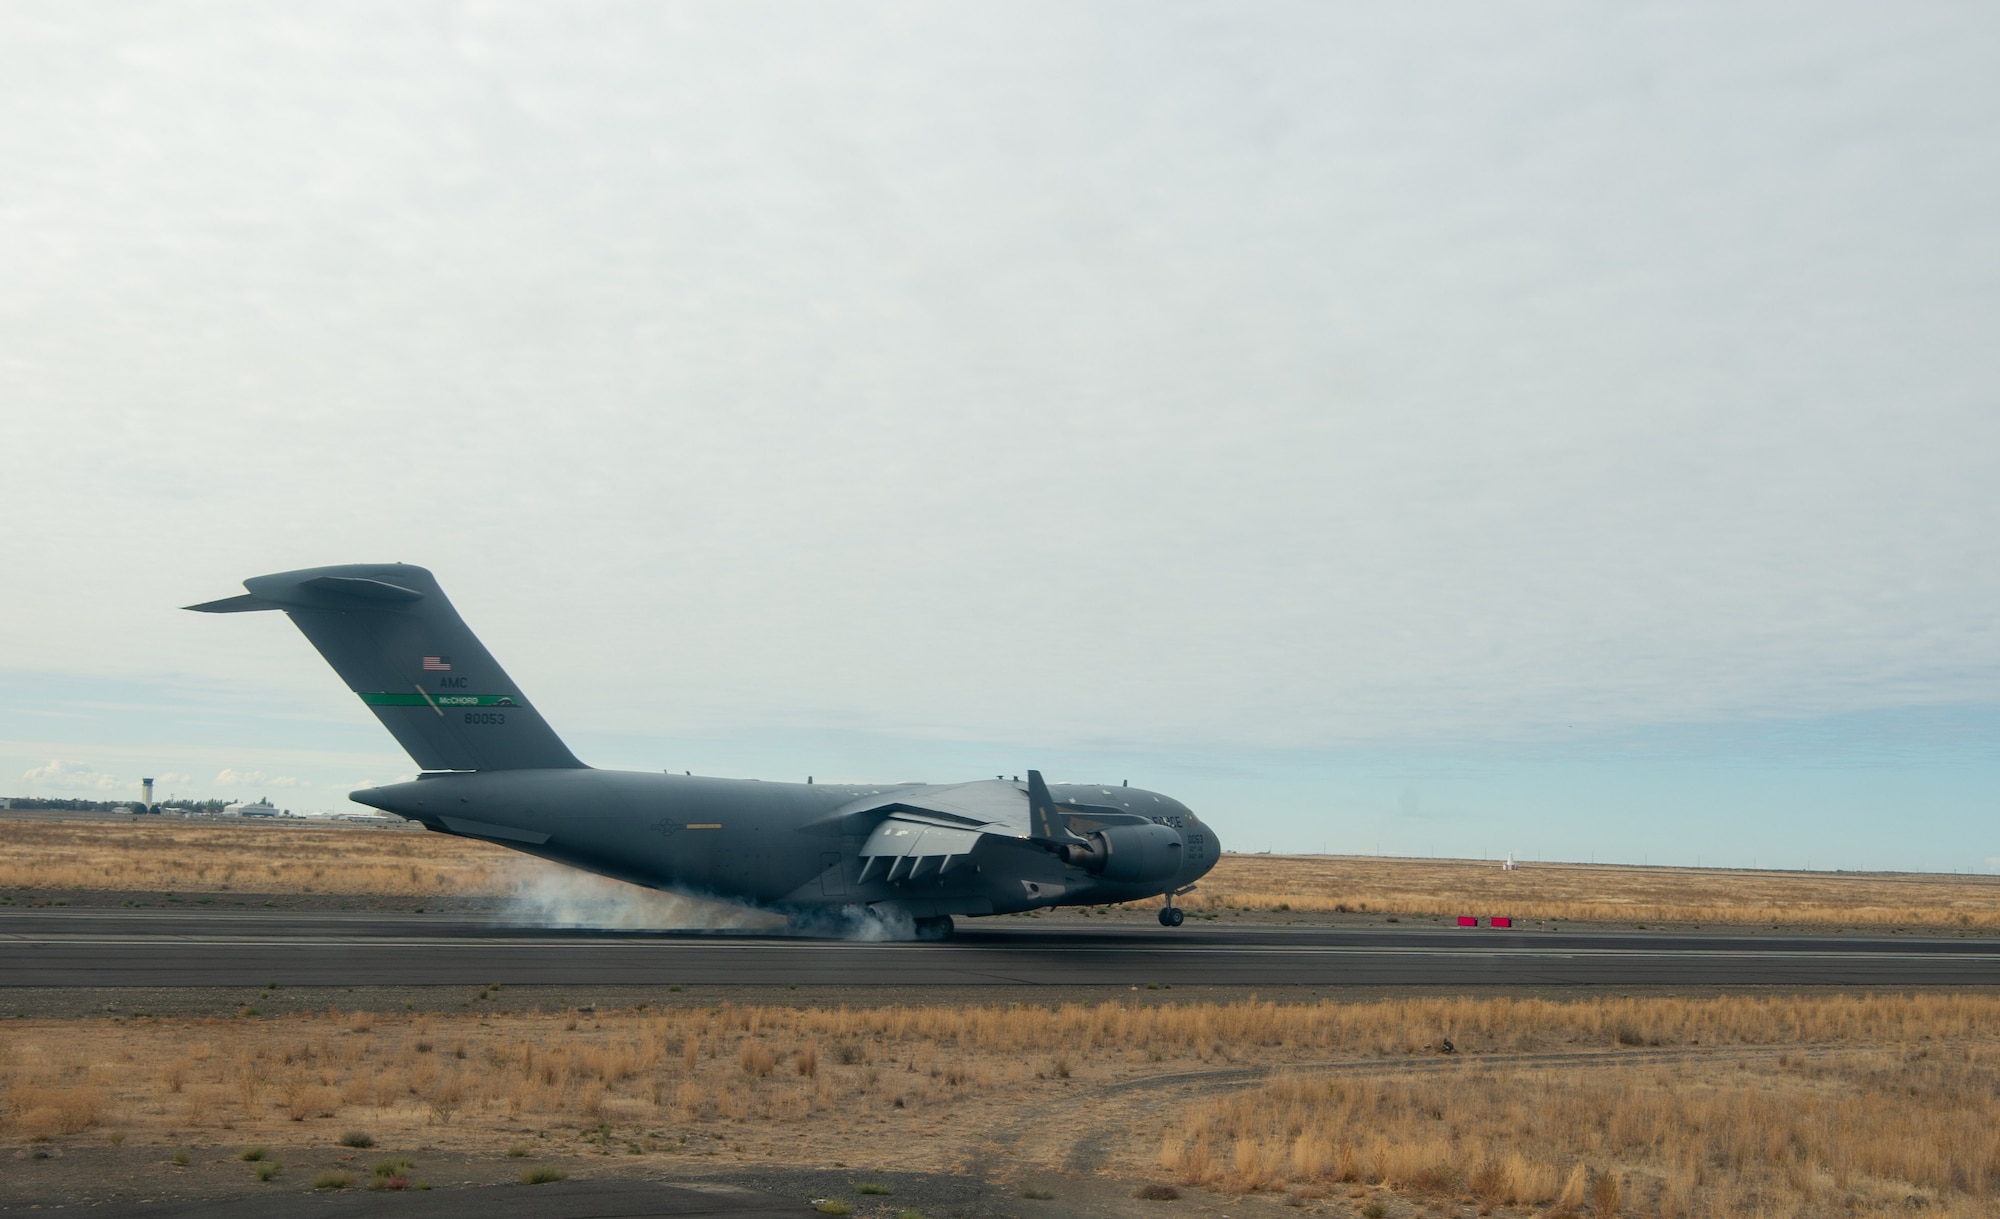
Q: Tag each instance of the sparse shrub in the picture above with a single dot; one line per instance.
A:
(1374, 1209)
(1488, 1182)
(848, 1053)
(1605, 1195)
(445, 1102)
(1155, 1192)
(518, 1151)
(542, 1176)
(268, 1170)
(1039, 1195)
(182, 1158)
(332, 1180)
(756, 1059)
(44, 1112)
(833, 1206)
(252, 1154)
(304, 1101)
(173, 1076)
(871, 1187)
(357, 1138)
(807, 1060)
(397, 1166)
(1529, 1181)
(1573, 1192)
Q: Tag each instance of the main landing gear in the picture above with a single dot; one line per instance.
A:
(934, 928)
(1171, 915)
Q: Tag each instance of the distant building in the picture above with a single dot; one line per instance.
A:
(262, 807)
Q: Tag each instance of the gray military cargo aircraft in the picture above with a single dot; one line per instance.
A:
(493, 769)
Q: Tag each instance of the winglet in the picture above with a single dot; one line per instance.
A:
(1042, 823)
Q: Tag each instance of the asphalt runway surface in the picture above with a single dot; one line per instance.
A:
(63, 947)
(565, 1200)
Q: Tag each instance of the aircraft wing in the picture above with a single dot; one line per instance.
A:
(915, 831)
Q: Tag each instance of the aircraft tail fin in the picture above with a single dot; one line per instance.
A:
(389, 632)
(1043, 823)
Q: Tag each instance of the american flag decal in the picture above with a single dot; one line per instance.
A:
(437, 664)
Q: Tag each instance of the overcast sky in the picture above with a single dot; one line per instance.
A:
(1412, 427)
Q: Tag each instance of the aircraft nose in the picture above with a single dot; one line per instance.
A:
(1211, 849)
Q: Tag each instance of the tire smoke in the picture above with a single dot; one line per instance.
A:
(551, 895)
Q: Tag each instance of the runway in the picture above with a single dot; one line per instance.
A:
(53, 947)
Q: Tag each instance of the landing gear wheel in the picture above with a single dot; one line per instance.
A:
(1172, 916)
(934, 928)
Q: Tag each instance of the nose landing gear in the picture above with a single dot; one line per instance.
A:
(1172, 916)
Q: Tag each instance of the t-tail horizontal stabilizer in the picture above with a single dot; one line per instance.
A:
(391, 634)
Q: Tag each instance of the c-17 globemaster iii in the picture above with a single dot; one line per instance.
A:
(493, 769)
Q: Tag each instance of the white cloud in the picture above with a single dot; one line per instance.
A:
(64, 776)
(189, 773)
(232, 779)
(1390, 372)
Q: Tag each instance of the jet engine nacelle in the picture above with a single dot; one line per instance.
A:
(1132, 854)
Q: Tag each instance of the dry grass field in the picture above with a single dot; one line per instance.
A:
(1659, 1106)
(170, 855)
(1599, 892)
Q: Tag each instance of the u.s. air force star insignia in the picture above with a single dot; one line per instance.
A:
(662, 826)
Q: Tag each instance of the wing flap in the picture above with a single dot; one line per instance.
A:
(904, 847)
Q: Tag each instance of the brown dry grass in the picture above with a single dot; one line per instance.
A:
(175, 856)
(178, 856)
(1840, 1129)
(1598, 892)
(1669, 1106)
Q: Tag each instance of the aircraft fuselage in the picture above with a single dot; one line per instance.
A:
(783, 845)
